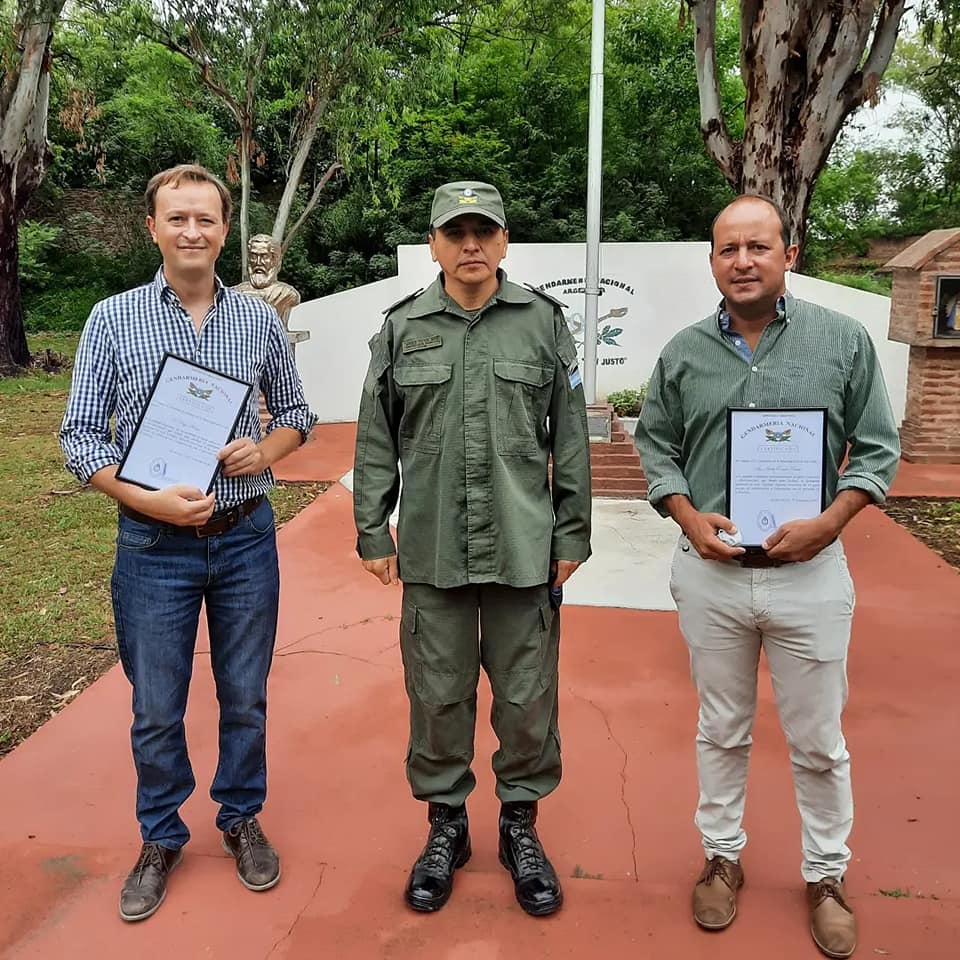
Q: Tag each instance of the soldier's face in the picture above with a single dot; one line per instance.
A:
(188, 226)
(748, 259)
(469, 249)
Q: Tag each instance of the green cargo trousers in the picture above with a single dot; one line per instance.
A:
(446, 635)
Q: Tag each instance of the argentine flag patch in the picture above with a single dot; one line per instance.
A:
(575, 378)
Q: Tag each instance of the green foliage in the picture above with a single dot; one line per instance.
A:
(123, 107)
(871, 283)
(35, 241)
(657, 176)
(627, 403)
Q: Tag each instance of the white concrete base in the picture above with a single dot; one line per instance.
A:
(630, 566)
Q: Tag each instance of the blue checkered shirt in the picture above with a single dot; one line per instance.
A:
(120, 351)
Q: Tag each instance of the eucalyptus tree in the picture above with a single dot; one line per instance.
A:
(26, 33)
(806, 67)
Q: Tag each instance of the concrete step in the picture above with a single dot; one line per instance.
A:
(614, 457)
(602, 483)
(617, 470)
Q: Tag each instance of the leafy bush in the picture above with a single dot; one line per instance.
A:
(36, 240)
(627, 403)
(58, 310)
(872, 283)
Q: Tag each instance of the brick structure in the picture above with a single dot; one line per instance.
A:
(930, 432)
(615, 467)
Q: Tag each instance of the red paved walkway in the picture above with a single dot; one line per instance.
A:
(619, 829)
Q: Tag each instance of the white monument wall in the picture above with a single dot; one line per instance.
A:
(650, 291)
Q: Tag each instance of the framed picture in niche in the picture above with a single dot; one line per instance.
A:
(946, 321)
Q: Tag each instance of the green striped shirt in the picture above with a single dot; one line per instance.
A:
(807, 357)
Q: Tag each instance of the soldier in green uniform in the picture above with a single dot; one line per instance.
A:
(472, 387)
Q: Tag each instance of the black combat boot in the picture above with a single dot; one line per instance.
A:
(448, 847)
(535, 881)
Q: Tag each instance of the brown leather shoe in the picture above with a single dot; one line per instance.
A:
(146, 886)
(832, 923)
(715, 895)
(258, 865)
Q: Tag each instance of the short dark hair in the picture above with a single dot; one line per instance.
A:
(781, 216)
(192, 173)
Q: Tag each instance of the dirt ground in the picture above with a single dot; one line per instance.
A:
(933, 522)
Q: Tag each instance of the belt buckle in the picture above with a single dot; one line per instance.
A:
(219, 524)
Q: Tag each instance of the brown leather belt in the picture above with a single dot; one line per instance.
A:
(219, 523)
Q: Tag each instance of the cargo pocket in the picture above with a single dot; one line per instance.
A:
(523, 398)
(528, 679)
(433, 684)
(424, 388)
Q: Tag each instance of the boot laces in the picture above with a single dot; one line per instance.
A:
(438, 852)
(529, 852)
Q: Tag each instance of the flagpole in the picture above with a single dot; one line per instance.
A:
(594, 183)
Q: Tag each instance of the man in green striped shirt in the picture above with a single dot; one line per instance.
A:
(763, 349)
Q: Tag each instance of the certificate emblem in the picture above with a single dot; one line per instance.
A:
(766, 521)
(158, 468)
(199, 392)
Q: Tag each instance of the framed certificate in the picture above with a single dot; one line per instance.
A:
(776, 468)
(189, 417)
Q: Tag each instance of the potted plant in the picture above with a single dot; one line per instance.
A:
(627, 405)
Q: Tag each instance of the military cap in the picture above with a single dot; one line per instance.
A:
(466, 196)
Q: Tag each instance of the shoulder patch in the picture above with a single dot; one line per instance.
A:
(403, 300)
(546, 296)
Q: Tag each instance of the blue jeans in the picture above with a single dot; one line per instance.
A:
(160, 579)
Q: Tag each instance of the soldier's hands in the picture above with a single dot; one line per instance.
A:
(799, 540)
(384, 569)
(179, 504)
(242, 457)
(701, 530)
(561, 571)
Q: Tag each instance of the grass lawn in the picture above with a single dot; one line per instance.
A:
(56, 553)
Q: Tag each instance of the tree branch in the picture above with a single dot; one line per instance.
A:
(716, 137)
(881, 50)
(23, 98)
(324, 180)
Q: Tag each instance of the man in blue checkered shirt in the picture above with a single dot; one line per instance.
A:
(178, 547)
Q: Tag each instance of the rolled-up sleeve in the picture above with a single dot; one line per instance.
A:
(282, 387)
(85, 435)
(659, 437)
(874, 451)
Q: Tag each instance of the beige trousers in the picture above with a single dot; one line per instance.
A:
(800, 615)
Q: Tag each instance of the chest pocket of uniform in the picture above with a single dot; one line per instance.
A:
(424, 387)
(523, 398)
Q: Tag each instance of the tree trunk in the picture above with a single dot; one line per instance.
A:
(806, 66)
(24, 157)
(246, 138)
(14, 353)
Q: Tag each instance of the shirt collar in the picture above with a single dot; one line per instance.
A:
(435, 300)
(166, 293)
(784, 308)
